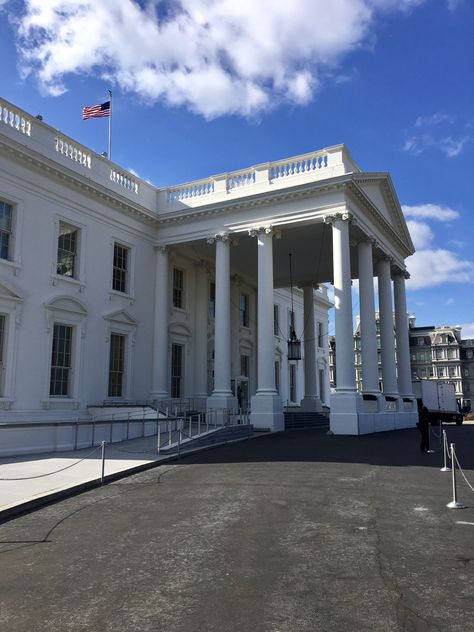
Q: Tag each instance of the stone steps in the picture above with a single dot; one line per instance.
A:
(299, 419)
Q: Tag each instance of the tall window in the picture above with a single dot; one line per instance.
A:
(244, 310)
(176, 371)
(245, 365)
(292, 392)
(321, 336)
(2, 349)
(121, 266)
(212, 299)
(277, 376)
(68, 239)
(322, 385)
(6, 213)
(116, 365)
(276, 320)
(178, 288)
(291, 321)
(61, 358)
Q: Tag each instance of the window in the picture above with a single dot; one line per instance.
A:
(466, 371)
(441, 371)
(68, 240)
(178, 288)
(321, 336)
(420, 342)
(452, 354)
(6, 213)
(120, 270)
(276, 320)
(116, 365)
(439, 354)
(291, 321)
(292, 393)
(212, 299)
(2, 350)
(452, 371)
(244, 310)
(322, 386)
(245, 365)
(469, 353)
(277, 376)
(61, 361)
(176, 371)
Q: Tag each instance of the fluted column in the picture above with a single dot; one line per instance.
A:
(160, 384)
(200, 331)
(401, 328)
(345, 371)
(222, 346)
(387, 337)
(368, 330)
(266, 404)
(311, 400)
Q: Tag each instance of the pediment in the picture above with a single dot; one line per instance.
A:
(122, 317)
(66, 304)
(9, 294)
(179, 329)
(379, 189)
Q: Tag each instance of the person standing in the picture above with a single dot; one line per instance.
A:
(424, 428)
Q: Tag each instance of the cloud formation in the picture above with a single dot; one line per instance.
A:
(214, 56)
(434, 131)
(430, 265)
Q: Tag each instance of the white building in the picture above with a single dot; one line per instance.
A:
(111, 289)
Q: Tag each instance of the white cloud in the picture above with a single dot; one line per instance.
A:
(439, 138)
(430, 211)
(450, 301)
(456, 243)
(215, 57)
(467, 330)
(433, 119)
(421, 234)
(433, 267)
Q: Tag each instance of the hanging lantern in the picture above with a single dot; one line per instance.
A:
(294, 345)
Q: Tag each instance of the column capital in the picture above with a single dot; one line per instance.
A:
(267, 230)
(369, 240)
(163, 249)
(218, 237)
(397, 271)
(341, 216)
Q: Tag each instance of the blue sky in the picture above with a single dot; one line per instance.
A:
(206, 86)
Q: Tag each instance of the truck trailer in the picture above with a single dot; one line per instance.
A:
(440, 400)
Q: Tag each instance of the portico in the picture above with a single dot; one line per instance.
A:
(345, 226)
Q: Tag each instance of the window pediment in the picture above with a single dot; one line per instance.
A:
(179, 329)
(7, 293)
(121, 317)
(66, 304)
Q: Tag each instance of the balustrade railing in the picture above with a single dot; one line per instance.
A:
(191, 190)
(15, 120)
(66, 148)
(124, 180)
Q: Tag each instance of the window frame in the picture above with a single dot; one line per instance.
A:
(178, 290)
(58, 367)
(244, 309)
(276, 320)
(178, 378)
(76, 253)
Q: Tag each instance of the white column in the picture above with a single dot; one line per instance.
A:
(401, 328)
(200, 333)
(345, 371)
(387, 337)
(368, 330)
(222, 395)
(266, 404)
(310, 402)
(160, 333)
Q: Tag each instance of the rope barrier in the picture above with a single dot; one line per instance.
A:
(27, 478)
(462, 473)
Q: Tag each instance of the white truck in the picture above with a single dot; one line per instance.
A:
(440, 400)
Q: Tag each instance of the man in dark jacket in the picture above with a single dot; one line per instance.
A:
(424, 428)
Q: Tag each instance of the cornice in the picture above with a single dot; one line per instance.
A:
(80, 182)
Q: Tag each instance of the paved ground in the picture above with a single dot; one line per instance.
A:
(295, 532)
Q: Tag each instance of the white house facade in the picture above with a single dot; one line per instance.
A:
(114, 290)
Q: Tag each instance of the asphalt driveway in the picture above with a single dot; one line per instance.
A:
(293, 532)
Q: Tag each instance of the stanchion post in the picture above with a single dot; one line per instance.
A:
(446, 467)
(454, 504)
(158, 438)
(199, 424)
(179, 442)
(103, 464)
(429, 451)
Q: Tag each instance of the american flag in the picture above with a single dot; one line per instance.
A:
(96, 111)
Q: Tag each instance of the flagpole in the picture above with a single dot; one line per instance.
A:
(110, 126)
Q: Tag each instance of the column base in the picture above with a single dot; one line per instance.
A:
(343, 418)
(221, 399)
(266, 412)
(159, 396)
(311, 404)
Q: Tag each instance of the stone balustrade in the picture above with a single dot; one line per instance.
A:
(305, 168)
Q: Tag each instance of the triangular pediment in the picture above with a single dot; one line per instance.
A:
(122, 317)
(66, 304)
(9, 294)
(379, 190)
(179, 329)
